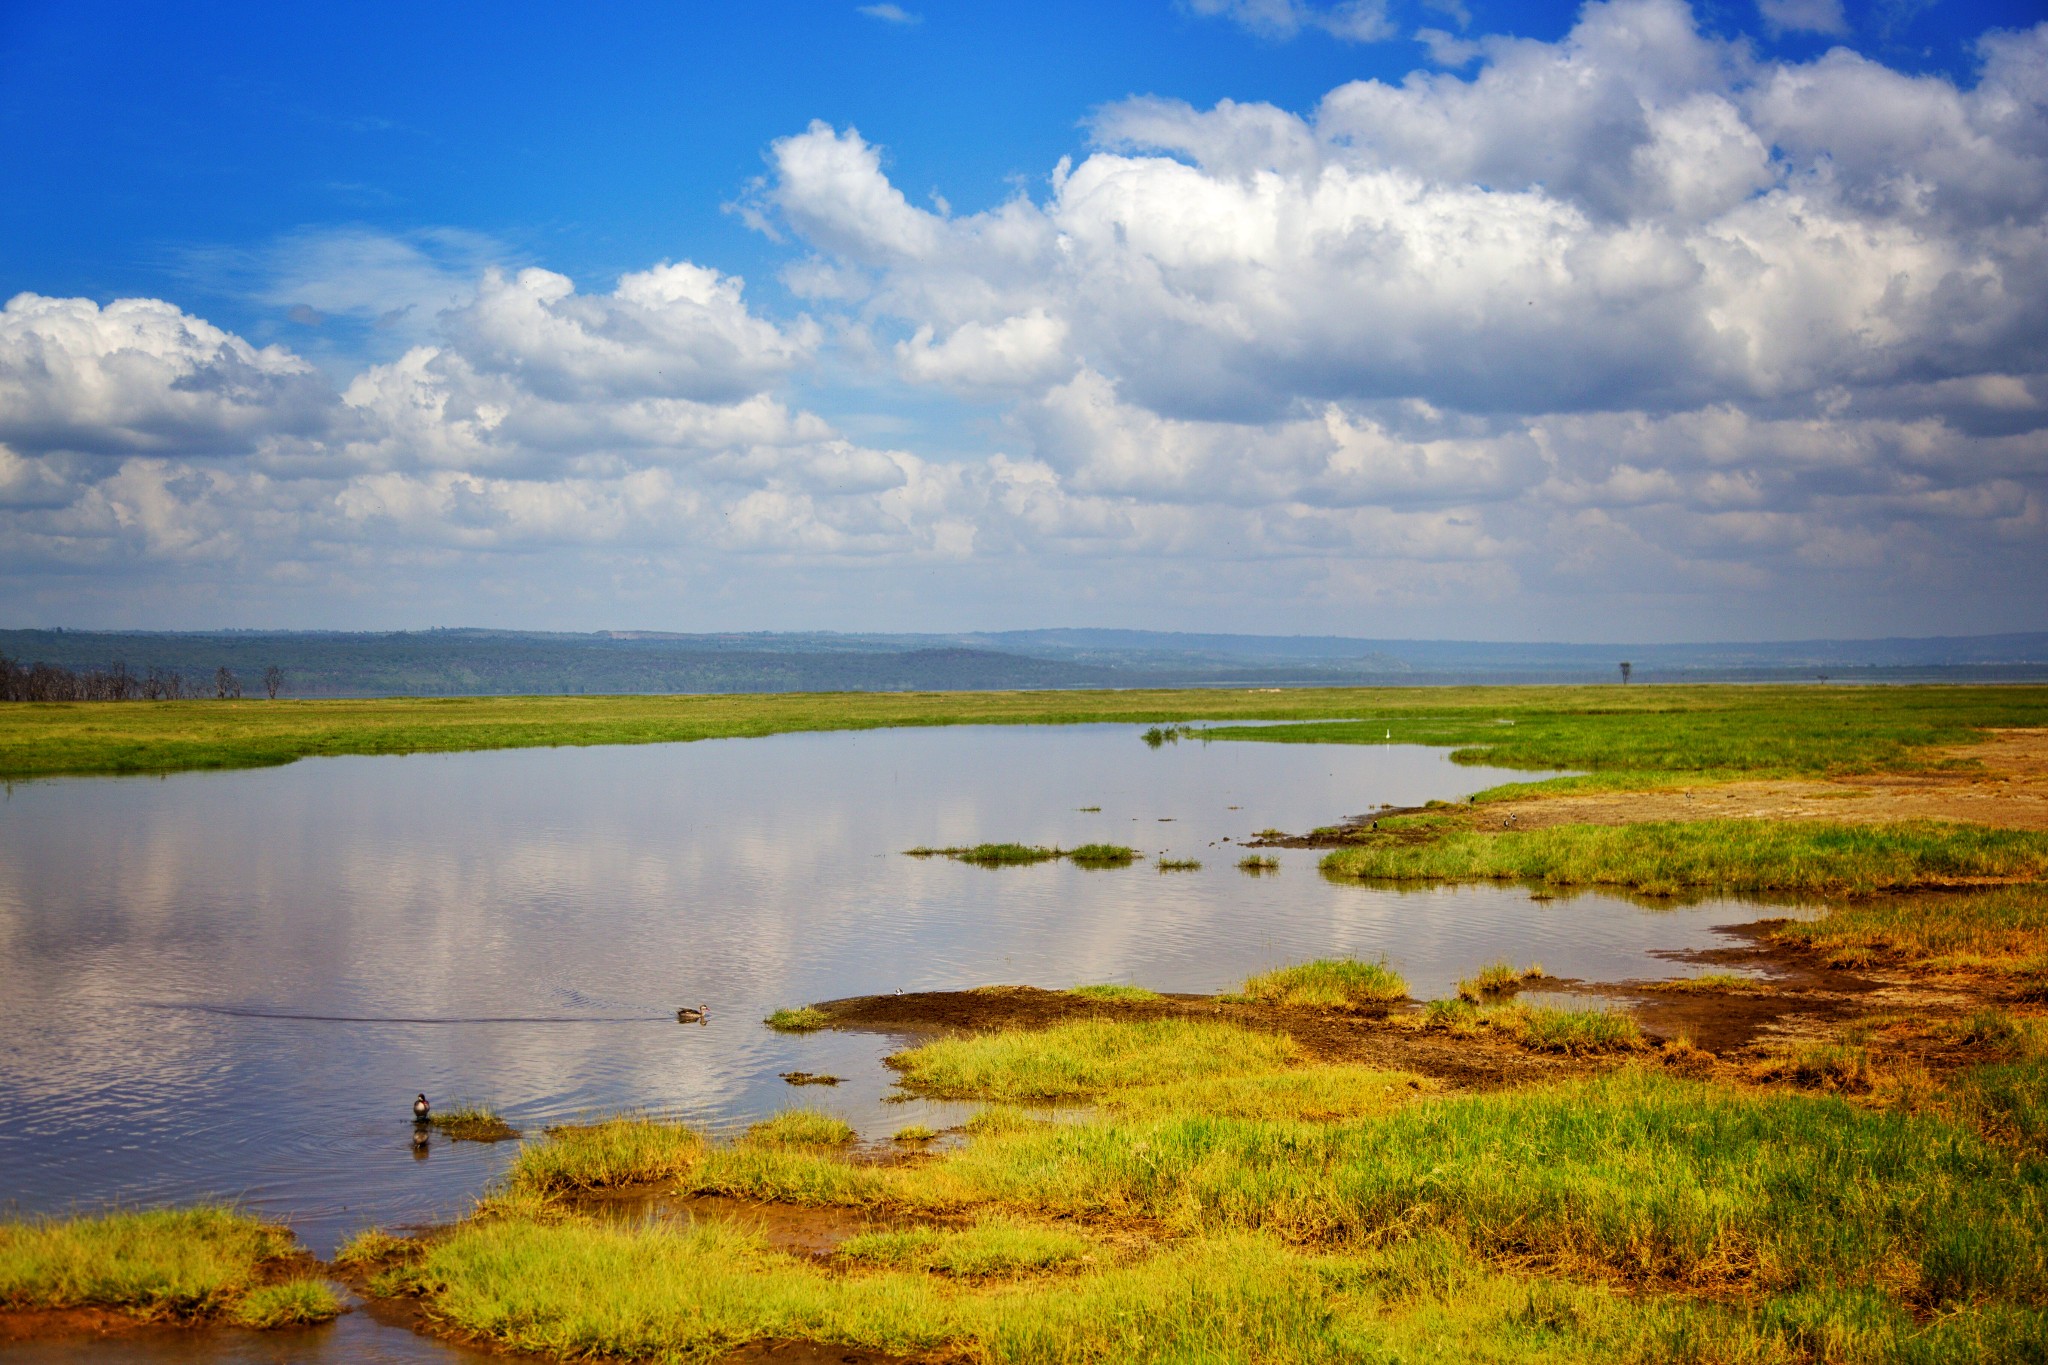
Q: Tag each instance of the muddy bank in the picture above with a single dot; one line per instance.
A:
(1384, 1039)
(1789, 994)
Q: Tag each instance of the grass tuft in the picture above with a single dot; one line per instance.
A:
(1544, 1028)
(1328, 983)
(1825, 1066)
(605, 1155)
(1258, 862)
(801, 1128)
(1101, 855)
(1085, 1058)
(805, 1019)
(991, 855)
(1110, 991)
(1496, 978)
(162, 1264)
(994, 1246)
(374, 1246)
(1179, 865)
(290, 1303)
(469, 1122)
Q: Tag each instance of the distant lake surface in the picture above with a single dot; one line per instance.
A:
(230, 985)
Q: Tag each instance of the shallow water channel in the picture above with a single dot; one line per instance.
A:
(230, 985)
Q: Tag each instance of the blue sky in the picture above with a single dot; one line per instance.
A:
(1192, 316)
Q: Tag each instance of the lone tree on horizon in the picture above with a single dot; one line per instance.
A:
(1626, 669)
(273, 679)
(226, 684)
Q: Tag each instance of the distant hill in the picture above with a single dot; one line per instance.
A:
(491, 662)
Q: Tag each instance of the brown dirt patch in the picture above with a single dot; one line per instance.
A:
(42, 1324)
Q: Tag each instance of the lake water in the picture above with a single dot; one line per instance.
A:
(230, 985)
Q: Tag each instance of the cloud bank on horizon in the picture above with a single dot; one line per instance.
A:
(1631, 332)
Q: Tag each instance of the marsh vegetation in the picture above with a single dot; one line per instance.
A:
(179, 1266)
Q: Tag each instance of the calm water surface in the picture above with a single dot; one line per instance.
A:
(231, 984)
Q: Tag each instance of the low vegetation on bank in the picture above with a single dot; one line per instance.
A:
(1085, 1058)
(1579, 1032)
(1619, 736)
(1663, 858)
(1327, 984)
(1231, 1199)
(2004, 929)
(187, 1266)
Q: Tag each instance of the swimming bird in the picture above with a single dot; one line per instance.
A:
(420, 1107)
(686, 1015)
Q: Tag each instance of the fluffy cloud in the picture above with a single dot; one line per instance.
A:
(1629, 316)
(140, 375)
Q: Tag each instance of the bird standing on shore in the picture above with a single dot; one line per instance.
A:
(420, 1109)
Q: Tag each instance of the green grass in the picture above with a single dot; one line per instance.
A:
(1716, 983)
(591, 1291)
(2004, 928)
(802, 1128)
(596, 1156)
(1329, 983)
(161, 1265)
(1577, 1032)
(1086, 1058)
(914, 1133)
(804, 1019)
(1495, 978)
(1017, 855)
(1108, 991)
(1546, 1224)
(1622, 735)
(289, 1303)
(1734, 855)
(991, 855)
(1306, 1094)
(1625, 737)
(995, 1245)
(1179, 865)
(1101, 855)
(1258, 862)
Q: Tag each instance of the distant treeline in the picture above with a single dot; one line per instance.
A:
(51, 682)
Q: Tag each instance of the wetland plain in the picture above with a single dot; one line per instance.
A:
(1777, 1093)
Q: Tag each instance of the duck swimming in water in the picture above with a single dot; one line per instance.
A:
(420, 1108)
(686, 1015)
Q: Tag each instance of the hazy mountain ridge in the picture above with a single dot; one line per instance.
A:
(458, 662)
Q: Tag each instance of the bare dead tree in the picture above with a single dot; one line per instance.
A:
(273, 681)
(226, 684)
(1626, 669)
